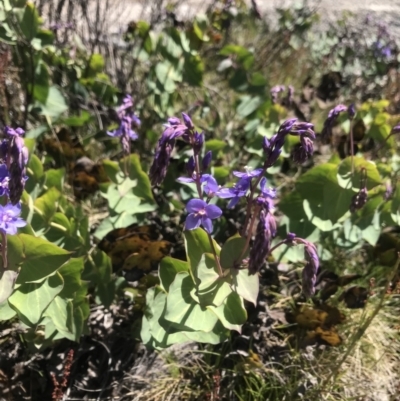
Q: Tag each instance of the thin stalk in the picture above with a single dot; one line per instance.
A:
(246, 245)
(250, 200)
(4, 250)
(352, 147)
(219, 267)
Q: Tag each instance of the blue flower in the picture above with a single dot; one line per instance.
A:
(9, 219)
(4, 179)
(249, 173)
(236, 192)
(201, 213)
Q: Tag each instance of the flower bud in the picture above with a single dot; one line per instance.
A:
(188, 121)
(206, 160)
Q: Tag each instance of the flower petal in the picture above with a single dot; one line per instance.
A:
(233, 202)
(194, 205)
(192, 221)
(207, 224)
(225, 193)
(213, 211)
(185, 179)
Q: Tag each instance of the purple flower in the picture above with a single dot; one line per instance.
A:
(158, 169)
(128, 121)
(267, 195)
(273, 147)
(275, 90)
(326, 132)
(236, 192)
(266, 229)
(304, 150)
(10, 220)
(249, 173)
(4, 179)
(14, 132)
(201, 213)
(351, 110)
(211, 186)
(188, 121)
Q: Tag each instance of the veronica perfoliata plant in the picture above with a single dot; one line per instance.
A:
(203, 298)
(14, 157)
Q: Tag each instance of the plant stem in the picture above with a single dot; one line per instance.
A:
(246, 246)
(250, 200)
(352, 147)
(214, 251)
(4, 250)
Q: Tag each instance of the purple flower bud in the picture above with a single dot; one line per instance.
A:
(275, 90)
(158, 169)
(310, 270)
(326, 132)
(396, 129)
(188, 121)
(290, 238)
(351, 110)
(266, 228)
(190, 166)
(206, 160)
(174, 121)
(304, 150)
(198, 142)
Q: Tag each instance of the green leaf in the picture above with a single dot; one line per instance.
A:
(78, 121)
(112, 170)
(193, 70)
(39, 257)
(96, 64)
(55, 104)
(143, 187)
(348, 180)
(395, 206)
(55, 178)
(248, 105)
(47, 204)
(31, 299)
(231, 313)
(232, 251)
(196, 244)
(169, 267)
(35, 167)
(71, 274)
(182, 312)
(200, 27)
(6, 312)
(206, 272)
(59, 311)
(215, 145)
(258, 79)
(324, 201)
(30, 21)
(122, 220)
(247, 286)
(7, 282)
